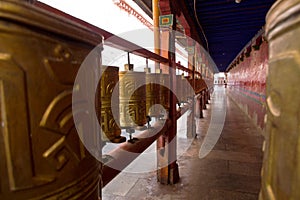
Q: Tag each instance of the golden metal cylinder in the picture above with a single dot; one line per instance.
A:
(42, 156)
(197, 85)
(152, 95)
(200, 85)
(165, 91)
(281, 166)
(110, 123)
(190, 87)
(132, 99)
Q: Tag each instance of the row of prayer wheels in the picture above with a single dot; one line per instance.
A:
(198, 85)
(129, 98)
(188, 87)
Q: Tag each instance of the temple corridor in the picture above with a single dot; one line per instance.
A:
(150, 99)
(230, 171)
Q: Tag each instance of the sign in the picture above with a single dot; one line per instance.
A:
(165, 20)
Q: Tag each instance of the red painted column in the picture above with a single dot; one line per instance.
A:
(167, 172)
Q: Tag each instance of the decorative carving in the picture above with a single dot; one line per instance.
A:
(152, 94)
(37, 126)
(132, 99)
(58, 116)
(109, 125)
(59, 153)
(16, 155)
(62, 63)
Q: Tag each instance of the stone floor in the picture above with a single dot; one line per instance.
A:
(230, 171)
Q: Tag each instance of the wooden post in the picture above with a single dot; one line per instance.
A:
(167, 172)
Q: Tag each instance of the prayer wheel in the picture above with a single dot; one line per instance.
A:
(42, 156)
(132, 99)
(191, 87)
(196, 86)
(200, 85)
(165, 91)
(111, 131)
(281, 166)
(152, 94)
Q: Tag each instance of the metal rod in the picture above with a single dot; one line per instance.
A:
(147, 66)
(145, 139)
(122, 156)
(128, 58)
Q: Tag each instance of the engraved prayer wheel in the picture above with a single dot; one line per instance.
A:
(281, 165)
(190, 87)
(132, 99)
(185, 89)
(199, 85)
(196, 85)
(152, 94)
(42, 156)
(165, 91)
(111, 131)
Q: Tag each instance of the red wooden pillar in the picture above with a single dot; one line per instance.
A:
(167, 172)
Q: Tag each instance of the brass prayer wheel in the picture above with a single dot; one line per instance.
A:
(197, 85)
(152, 94)
(42, 156)
(200, 85)
(192, 87)
(132, 99)
(281, 165)
(111, 131)
(192, 83)
(188, 83)
(165, 91)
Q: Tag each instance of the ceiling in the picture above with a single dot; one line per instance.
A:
(227, 26)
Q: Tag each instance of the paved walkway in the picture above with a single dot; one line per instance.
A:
(230, 171)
